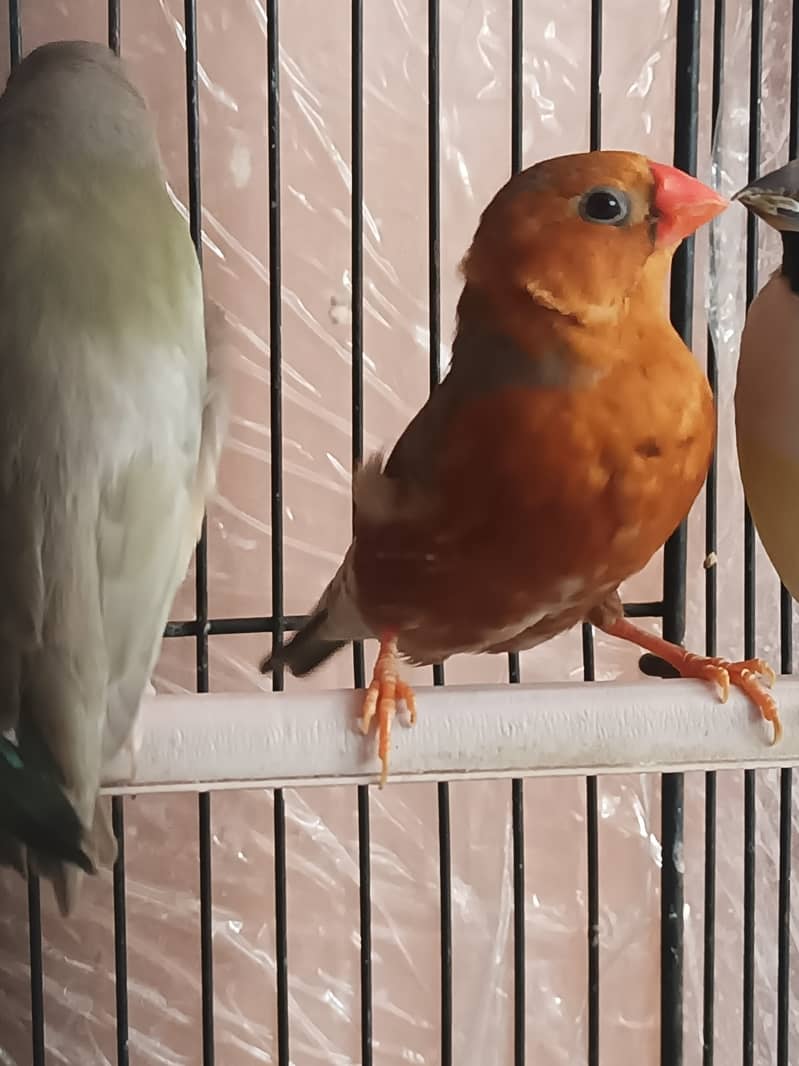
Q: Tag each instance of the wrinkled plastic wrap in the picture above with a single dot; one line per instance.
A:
(162, 850)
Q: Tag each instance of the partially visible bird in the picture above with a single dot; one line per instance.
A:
(767, 386)
(567, 442)
(111, 422)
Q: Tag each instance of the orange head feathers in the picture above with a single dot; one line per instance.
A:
(577, 233)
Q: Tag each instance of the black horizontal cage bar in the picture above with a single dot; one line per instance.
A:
(671, 609)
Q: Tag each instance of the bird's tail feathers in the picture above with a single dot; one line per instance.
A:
(333, 623)
(307, 649)
(38, 818)
(99, 849)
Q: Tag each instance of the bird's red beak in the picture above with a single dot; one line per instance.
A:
(682, 203)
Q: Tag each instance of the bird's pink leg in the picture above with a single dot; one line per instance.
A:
(382, 696)
(743, 675)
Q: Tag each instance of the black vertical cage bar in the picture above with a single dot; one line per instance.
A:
(592, 880)
(671, 922)
(120, 933)
(784, 921)
(276, 462)
(275, 348)
(37, 970)
(34, 902)
(445, 875)
(686, 104)
(711, 604)
(434, 301)
(595, 113)
(750, 798)
(709, 936)
(14, 32)
(281, 930)
(365, 906)
(514, 671)
(682, 300)
(516, 128)
(786, 667)
(519, 954)
(118, 802)
(686, 108)
(750, 825)
(201, 556)
(589, 673)
(359, 675)
(516, 84)
(195, 222)
(114, 26)
(434, 189)
(755, 80)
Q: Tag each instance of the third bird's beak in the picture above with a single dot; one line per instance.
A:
(775, 197)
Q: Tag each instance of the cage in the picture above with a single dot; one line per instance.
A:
(558, 872)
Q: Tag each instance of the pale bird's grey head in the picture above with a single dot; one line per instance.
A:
(77, 95)
(775, 197)
(57, 58)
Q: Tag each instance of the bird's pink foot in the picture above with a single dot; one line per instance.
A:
(749, 675)
(384, 693)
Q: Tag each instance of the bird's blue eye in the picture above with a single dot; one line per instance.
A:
(605, 205)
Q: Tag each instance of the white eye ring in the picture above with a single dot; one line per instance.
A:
(605, 205)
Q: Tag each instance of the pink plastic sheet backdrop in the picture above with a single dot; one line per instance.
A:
(163, 889)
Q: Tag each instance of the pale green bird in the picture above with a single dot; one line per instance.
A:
(111, 423)
(767, 387)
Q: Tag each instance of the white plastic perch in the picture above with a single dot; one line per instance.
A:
(193, 743)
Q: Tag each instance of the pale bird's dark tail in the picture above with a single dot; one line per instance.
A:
(35, 812)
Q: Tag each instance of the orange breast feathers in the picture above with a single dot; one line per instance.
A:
(551, 467)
